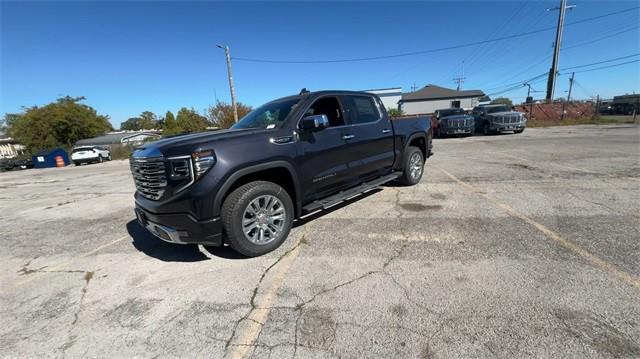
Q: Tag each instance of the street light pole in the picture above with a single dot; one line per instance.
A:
(230, 75)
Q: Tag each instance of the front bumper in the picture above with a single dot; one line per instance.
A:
(181, 227)
(459, 130)
(498, 127)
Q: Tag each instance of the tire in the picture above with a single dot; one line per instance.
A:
(519, 131)
(109, 158)
(238, 207)
(77, 163)
(486, 129)
(412, 177)
(100, 159)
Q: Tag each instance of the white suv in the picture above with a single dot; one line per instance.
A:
(88, 154)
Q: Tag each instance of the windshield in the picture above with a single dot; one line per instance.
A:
(498, 109)
(271, 115)
(453, 111)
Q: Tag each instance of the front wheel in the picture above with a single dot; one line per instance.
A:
(486, 129)
(519, 131)
(257, 217)
(413, 167)
(100, 159)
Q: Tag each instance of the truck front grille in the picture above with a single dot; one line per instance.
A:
(149, 176)
(459, 123)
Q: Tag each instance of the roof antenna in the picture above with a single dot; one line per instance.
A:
(304, 91)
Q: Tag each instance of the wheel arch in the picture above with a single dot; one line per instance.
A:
(280, 172)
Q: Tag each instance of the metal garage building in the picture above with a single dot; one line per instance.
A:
(432, 97)
(119, 138)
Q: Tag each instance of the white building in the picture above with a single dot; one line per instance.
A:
(10, 148)
(431, 98)
(389, 96)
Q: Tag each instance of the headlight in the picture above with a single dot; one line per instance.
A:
(185, 170)
(202, 162)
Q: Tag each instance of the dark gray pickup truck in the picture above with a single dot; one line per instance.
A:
(498, 118)
(288, 158)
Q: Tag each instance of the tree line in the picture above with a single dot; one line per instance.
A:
(67, 120)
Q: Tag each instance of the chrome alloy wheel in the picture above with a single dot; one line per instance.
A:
(415, 166)
(263, 219)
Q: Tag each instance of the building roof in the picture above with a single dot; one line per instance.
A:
(433, 92)
(113, 138)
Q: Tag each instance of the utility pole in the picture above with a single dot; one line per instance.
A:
(551, 83)
(413, 88)
(568, 95)
(230, 75)
(529, 91)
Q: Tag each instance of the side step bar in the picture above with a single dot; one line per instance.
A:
(348, 193)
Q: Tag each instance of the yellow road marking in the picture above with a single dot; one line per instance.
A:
(243, 342)
(590, 257)
(67, 262)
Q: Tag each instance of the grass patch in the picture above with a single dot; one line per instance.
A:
(601, 120)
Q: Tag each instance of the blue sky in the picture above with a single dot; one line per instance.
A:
(128, 57)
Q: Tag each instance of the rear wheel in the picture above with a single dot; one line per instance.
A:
(257, 217)
(77, 163)
(109, 158)
(413, 167)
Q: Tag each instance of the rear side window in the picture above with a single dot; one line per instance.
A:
(364, 108)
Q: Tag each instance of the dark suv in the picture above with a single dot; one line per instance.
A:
(290, 157)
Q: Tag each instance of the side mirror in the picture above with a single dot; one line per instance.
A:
(314, 123)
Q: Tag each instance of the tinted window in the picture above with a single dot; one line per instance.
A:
(365, 110)
(330, 107)
(270, 115)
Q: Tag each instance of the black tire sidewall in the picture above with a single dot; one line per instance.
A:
(233, 212)
(406, 178)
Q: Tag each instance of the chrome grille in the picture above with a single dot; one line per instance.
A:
(149, 176)
(459, 122)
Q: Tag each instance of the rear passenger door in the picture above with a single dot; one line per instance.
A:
(370, 137)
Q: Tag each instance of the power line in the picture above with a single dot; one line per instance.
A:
(609, 66)
(600, 38)
(533, 80)
(602, 62)
(421, 52)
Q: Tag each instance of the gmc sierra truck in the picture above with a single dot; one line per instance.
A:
(286, 159)
(492, 119)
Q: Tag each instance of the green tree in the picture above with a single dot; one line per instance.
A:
(59, 123)
(146, 121)
(170, 126)
(502, 101)
(188, 120)
(221, 115)
(131, 124)
(394, 112)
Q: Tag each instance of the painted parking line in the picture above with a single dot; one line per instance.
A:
(593, 259)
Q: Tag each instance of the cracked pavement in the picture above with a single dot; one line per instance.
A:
(511, 246)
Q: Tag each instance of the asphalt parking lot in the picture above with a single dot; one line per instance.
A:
(511, 246)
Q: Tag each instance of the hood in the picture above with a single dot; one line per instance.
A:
(185, 144)
(505, 113)
(457, 117)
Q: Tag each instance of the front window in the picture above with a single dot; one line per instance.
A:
(271, 115)
(498, 109)
(451, 112)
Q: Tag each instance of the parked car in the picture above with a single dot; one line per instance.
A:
(491, 119)
(90, 154)
(290, 157)
(453, 121)
(16, 163)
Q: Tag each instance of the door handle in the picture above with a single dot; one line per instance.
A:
(386, 130)
(348, 137)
